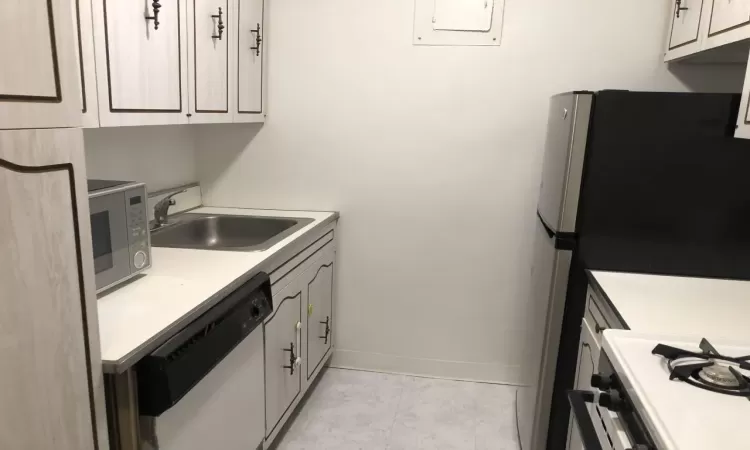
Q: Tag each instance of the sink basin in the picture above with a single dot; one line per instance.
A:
(225, 232)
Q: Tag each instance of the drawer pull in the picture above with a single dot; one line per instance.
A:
(155, 17)
(328, 329)
(220, 25)
(599, 329)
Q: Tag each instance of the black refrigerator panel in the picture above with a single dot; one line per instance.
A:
(666, 187)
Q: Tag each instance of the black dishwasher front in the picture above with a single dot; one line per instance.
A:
(167, 374)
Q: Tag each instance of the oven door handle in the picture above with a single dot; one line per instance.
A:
(578, 400)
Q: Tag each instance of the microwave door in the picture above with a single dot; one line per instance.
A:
(109, 235)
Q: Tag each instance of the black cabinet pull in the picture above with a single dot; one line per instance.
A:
(328, 329)
(220, 26)
(292, 358)
(598, 328)
(258, 40)
(680, 8)
(156, 6)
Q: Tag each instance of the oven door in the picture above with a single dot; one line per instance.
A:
(109, 235)
(599, 428)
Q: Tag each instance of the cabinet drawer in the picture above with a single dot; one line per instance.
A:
(295, 266)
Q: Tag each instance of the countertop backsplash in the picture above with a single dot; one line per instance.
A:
(163, 157)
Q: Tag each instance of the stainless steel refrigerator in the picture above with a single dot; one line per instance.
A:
(553, 254)
(631, 181)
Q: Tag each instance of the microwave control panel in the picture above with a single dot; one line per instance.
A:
(138, 238)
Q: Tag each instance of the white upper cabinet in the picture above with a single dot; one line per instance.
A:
(208, 60)
(166, 62)
(249, 37)
(686, 20)
(743, 119)
(697, 26)
(728, 14)
(38, 83)
(141, 66)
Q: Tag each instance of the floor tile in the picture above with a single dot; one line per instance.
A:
(357, 410)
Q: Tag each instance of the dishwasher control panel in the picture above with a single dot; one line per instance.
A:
(170, 371)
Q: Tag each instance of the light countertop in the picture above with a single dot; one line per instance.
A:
(679, 306)
(182, 284)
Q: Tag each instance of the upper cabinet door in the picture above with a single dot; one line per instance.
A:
(686, 18)
(727, 15)
(208, 30)
(84, 47)
(38, 86)
(250, 42)
(140, 61)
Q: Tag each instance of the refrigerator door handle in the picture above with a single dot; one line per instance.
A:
(549, 231)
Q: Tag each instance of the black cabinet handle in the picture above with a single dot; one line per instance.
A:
(156, 6)
(599, 329)
(582, 418)
(680, 8)
(292, 358)
(328, 329)
(220, 26)
(258, 40)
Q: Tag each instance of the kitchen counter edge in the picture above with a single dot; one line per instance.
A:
(268, 265)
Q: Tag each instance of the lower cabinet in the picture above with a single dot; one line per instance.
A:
(299, 333)
(283, 355)
(319, 294)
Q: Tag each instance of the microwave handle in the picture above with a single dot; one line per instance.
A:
(578, 400)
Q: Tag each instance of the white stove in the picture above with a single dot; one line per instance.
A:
(692, 395)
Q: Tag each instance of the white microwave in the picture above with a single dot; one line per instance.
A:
(119, 231)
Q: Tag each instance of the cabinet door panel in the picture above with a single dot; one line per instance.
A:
(143, 63)
(250, 54)
(33, 71)
(210, 36)
(728, 14)
(48, 341)
(38, 86)
(685, 27)
(319, 290)
(86, 69)
(282, 334)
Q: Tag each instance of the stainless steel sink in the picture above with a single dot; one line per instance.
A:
(225, 232)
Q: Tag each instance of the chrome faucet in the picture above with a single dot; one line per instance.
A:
(161, 209)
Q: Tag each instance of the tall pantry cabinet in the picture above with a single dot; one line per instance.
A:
(49, 342)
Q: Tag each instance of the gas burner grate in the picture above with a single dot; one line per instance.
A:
(708, 370)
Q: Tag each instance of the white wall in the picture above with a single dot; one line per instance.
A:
(432, 155)
(162, 157)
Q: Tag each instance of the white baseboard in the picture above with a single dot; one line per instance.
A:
(433, 368)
